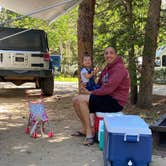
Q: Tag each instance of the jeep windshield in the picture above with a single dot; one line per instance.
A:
(32, 40)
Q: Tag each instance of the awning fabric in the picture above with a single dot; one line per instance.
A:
(43, 9)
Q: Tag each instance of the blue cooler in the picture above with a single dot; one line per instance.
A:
(127, 141)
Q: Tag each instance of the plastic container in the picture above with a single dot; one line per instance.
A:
(127, 141)
(101, 134)
(100, 116)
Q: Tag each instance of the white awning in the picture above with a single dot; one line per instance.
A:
(43, 9)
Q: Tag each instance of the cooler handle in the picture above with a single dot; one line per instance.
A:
(131, 138)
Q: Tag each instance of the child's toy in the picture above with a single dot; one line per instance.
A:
(37, 115)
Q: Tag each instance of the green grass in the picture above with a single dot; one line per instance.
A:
(66, 79)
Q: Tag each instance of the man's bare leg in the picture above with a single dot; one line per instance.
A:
(84, 109)
(92, 121)
(76, 105)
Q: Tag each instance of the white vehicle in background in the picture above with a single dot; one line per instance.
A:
(160, 65)
(24, 57)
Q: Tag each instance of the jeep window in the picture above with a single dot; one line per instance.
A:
(33, 40)
(164, 60)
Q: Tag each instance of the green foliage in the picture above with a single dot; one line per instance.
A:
(66, 79)
(162, 34)
(111, 27)
(63, 33)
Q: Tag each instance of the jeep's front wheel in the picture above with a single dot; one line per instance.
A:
(47, 85)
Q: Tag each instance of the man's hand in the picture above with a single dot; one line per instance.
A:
(95, 71)
(85, 91)
(82, 85)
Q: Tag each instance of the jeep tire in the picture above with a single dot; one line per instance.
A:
(47, 85)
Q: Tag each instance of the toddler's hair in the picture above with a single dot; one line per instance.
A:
(85, 54)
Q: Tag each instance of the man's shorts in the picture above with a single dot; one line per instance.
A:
(103, 104)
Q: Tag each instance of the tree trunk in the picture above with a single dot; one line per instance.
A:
(133, 76)
(68, 57)
(132, 62)
(150, 45)
(85, 30)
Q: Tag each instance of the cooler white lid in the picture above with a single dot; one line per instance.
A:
(102, 114)
(126, 124)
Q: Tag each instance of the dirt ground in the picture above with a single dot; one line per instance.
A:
(19, 149)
